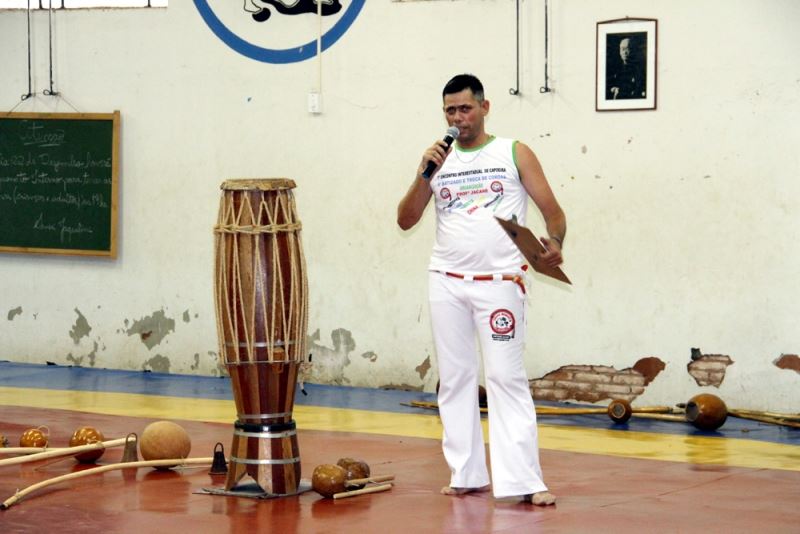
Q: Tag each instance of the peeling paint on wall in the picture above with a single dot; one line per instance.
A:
(91, 357)
(708, 369)
(788, 361)
(157, 363)
(152, 329)
(401, 387)
(186, 318)
(220, 369)
(80, 329)
(13, 313)
(593, 383)
(371, 356)
(304, 373)
(423, 368)
(329, 363)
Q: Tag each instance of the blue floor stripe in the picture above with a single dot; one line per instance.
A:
(110, 380)
(58, 377)
(149, 383)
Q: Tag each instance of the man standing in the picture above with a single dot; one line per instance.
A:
(476, 288)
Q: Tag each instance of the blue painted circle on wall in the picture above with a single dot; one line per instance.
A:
(270, 55)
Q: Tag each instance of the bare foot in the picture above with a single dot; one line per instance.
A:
(543, 498)
(449, 490)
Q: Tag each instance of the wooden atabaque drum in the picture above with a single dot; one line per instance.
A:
(260, 291)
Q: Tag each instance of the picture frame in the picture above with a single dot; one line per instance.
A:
(626, 64)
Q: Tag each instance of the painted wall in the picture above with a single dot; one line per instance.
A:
(682, 220)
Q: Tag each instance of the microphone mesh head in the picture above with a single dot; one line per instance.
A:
(453, 132)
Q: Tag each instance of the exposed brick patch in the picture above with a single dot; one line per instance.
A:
(593, 383)
(708, 369)
(649, 368)
(789, 361)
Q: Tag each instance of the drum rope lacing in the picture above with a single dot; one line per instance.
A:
(292, 322)
(258, 229)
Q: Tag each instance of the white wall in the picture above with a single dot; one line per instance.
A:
(682, 220)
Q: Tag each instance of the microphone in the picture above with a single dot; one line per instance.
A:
(449, 137)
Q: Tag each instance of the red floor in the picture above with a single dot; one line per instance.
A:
(596, 493)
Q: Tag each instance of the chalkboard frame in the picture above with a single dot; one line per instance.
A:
(111, 251)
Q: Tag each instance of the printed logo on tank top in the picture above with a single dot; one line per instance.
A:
(468, 191)
(503, 325)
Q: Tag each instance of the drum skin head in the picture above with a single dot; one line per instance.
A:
(259, 184)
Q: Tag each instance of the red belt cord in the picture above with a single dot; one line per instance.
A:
(517, 279)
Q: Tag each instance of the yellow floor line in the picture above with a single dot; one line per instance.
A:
(628, 444)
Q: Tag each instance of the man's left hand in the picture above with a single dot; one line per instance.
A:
(552, 252)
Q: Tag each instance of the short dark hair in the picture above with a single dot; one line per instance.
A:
(464, 81)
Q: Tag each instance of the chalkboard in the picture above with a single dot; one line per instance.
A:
(58, 183)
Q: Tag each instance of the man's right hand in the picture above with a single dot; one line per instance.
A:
(436, 153)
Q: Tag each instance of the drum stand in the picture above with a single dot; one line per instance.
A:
(269, 454)
(265, 445)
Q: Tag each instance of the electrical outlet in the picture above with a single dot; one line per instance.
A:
(314, 102)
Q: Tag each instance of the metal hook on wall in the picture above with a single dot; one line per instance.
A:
(515, 90)
(545, 88)
(30, 84)
(51, 91)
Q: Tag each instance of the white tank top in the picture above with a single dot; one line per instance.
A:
(472, 188)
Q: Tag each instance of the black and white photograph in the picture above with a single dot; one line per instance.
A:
(626, 65)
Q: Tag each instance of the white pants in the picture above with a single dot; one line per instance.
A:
(495, 312)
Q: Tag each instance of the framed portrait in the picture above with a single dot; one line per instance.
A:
(626, 65)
